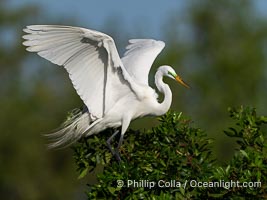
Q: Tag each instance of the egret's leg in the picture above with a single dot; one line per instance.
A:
(124, 127)
(120, 141)
(117, 156)
(109, 140)
(125, 124)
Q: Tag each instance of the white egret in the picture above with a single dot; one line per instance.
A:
(115, 90)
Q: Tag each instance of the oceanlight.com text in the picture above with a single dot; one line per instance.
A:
(186, 183)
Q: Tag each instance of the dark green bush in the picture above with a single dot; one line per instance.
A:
(175, 161)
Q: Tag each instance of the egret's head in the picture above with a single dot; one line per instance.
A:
(169, 71)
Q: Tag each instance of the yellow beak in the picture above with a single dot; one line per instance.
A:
(179, 80)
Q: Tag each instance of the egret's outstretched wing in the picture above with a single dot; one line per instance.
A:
(140, 56)
(91, 59)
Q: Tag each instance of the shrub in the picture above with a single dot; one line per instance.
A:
(175, 161)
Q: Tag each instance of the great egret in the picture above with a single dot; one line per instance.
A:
(115, 90)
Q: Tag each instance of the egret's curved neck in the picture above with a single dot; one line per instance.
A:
(164, 106)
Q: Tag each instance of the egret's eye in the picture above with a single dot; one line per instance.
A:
(172, 74)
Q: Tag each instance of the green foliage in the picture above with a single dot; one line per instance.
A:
(250, 161)
(179, 154)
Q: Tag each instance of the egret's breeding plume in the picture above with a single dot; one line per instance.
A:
(114, 90)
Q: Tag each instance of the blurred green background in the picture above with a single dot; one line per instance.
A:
(218, 47)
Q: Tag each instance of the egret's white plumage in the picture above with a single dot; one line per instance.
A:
(115, 90)
(140, 56)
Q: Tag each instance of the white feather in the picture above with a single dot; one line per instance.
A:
(71, 130)
(86, 55)
(140, 56)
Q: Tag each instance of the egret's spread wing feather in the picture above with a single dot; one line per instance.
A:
(140, 56)
(90, 57)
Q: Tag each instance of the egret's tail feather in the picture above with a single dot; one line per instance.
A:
(71, 130)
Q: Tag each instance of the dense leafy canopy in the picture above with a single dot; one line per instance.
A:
(174, 161)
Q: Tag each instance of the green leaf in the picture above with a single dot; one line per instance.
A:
(218, 195)
(244, 153)
(83, 173)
